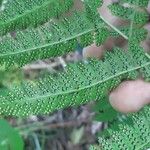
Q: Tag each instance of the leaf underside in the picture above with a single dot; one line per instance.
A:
(19, 14)
(53, 40)
(45, 41)
(143, 3)
(70, 88)
(132, 134)
(58, 38)
(135, 135)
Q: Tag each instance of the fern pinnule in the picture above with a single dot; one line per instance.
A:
(139, 3)
(19, 14)
(138, 35)
(93, 5)
(69, 88)
(91, 9)
(140, 17)
(46, 41)
(135, 135)
(1, 2)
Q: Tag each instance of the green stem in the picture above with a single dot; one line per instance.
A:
(114, 28)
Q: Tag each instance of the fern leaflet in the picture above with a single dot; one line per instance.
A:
(140, 17)
(133, 136)
(19, 14)
(55, 39)
(46, 41)
(69, 88)
(143, 3)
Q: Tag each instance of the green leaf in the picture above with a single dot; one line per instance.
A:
(70, 88)
(141, 3)
(128, 13)
(46, 41)
(9, 138)
(54, 40)
(1, 2)
(136, 136)
(146, 72)
(19, 14)
(104, 111)
(138, 34)
(94, 4)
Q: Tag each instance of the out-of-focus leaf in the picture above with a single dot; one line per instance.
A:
(9, 138)
(76, 135)
(104, 111)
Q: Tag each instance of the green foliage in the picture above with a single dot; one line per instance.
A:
(140, 16)
(132, 134)
(103, 109)
(7, 78)
(69, 88)
(9, 137)
(53, 40)
(138, 35)
(57, 38)
(81, 82)
(143, 3)
(19, 14)
(46, 41)
(0, 2)
(91, 8)
(93, 5)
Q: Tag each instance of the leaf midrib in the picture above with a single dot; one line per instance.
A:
(47, 45)
(86, 87)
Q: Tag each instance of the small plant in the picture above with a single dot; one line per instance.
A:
(37, 29)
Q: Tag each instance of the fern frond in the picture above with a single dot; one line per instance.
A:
(140, 17)
(70, 88)
(46, 41)
(138, 34)
(53, 40)
(135, 136)
(91, 9)
(94, 147)
(146, 72)
(19, 14)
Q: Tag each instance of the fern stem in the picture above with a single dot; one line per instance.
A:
(114, 28)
